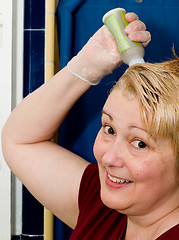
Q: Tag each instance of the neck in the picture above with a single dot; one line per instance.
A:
(150, 227)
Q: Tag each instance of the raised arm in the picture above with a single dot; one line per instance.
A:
(51, 173)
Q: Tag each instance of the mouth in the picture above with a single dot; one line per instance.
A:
(118, 180)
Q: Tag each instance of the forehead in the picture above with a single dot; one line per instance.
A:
(118, 102)
(122, 108)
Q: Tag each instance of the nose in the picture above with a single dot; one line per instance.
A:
(115, 155)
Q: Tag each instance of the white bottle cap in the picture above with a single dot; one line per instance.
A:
(116, 11)
(136, 60)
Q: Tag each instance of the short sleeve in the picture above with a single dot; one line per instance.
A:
(89, 178)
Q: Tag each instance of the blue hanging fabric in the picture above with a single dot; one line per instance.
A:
(65, 28)
(77, 22)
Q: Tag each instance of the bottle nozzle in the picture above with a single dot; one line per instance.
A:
(136, 60)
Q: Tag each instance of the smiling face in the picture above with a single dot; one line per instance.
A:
(137, 172)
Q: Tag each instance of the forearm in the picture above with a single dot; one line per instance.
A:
(41, 113)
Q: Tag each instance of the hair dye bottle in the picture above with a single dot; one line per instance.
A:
(131, 52)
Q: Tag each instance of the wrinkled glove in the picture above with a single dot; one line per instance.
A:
(98, 58)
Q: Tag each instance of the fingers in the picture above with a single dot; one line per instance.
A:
(136, 30)
(140, 36)
(134, 26)
(130, 17)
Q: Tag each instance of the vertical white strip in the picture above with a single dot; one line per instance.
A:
(11, 92)
(18, 49)
(17, 95)
(5, 109)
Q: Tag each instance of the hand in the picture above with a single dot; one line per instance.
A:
(136, 30)
(100, 56)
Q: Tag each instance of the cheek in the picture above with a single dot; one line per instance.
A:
(97, 149)
(147, 171)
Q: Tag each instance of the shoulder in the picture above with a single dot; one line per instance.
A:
(171, 234)
(89, 182)
(96, 221)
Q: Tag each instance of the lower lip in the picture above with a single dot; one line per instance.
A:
(116, 185)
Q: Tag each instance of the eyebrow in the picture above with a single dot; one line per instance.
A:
(144, 130)
(137, 127)
(131, 127)
(104, 112)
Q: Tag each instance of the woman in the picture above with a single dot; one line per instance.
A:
(136, 165)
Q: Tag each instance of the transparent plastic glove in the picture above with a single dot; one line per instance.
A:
(98, 58)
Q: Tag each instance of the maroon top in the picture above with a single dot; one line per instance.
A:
(98, 222)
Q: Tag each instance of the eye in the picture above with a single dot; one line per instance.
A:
(108, 130)
(139, 144)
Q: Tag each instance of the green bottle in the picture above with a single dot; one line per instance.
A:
(131, 52)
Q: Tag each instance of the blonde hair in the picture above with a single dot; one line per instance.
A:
(156, 85)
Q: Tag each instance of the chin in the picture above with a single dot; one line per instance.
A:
(112, 201)
(116, 202)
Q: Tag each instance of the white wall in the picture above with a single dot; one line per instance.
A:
(17, 94)
(11, 65)
(5, 108)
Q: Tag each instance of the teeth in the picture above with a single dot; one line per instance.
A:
(118, 180)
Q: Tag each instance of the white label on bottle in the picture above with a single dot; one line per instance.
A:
(114, 27)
